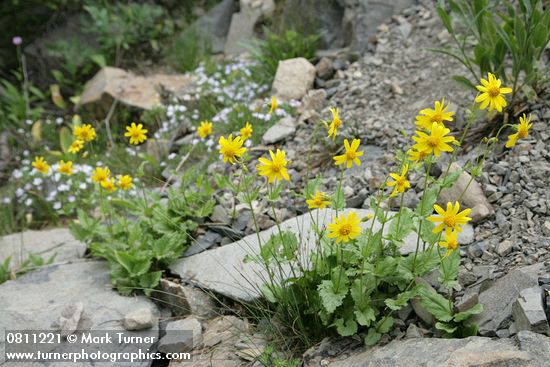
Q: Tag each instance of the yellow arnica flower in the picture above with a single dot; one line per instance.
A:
(491, 94)
(204, 129)
(109, 184)
(65, 168)
(335, 123)
(76, 146)
(450, 219)
(318, 201)
(136, 133)
(273, 105)
(41, 165)
(231, 149)
(345, 229)
(417, 155)
(101, 174)
(274, 169)
(351, 155)
(85, 132)
(436, 142)
(400, 183)
(125, 182)
(450, 241)
(522, 131)
(246, 131)
(439, 114)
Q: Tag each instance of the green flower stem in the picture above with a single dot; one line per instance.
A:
(421, 210)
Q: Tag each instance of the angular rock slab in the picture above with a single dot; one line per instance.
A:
(134, 90)
(293, 79)
(36, 300)
(46, 243)
(498, 300)
(223, 270)
(469, 352)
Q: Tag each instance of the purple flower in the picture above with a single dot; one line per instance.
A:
(17, 40)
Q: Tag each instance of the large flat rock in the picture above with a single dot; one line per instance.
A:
(46, 243)
(498, 300)
(469, 352)
(36, 300)
(223, 270)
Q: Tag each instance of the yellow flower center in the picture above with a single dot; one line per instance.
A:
(350, 154)
(432, 141)
(493, 91)
(437, 118)
(522, 133)
(449, 221)
(345, 230)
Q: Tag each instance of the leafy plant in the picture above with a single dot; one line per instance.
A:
(15, 105)
(141, 236)
(276, 47)
(120, 26)
(498, 37)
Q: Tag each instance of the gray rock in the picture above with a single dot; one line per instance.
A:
(70, 319)
(529, 311)
(537, 345)
(293, 79)
(39, 299)
(324, 68)
(505, 247)
(419, 309)
(46, 243)
(467, 235)
(140, 319)
(185, 300)
(432, 352)
(546, 228)
(473, 197)
(413, 331)
(314, 100)
(223, 270)
(468, 300)
(133, 90)
(241, 30)
(181, 336)
(283, 129)
(203, 243)
(219, 215)
(498, 299)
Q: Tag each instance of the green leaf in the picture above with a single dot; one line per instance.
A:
(345, 327)
(331, 300)
(465, 82)
(449, 269)
(450, 179)
(372, 337)
(445, 18)
(464, 315)
(65, 139)
(401, 300)
(384, 325)
(448, 328)
(406, 224)
(338, 199)
(425, 206)
(435, 304)
(366, 316)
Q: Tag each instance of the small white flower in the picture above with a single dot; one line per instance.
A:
(28, 202)
(57, 205)
(71, 198)
(19, 192)
(27, 187)
(63, 187)
(28, 122)
(82, 186)
(26, 153)
(6, 200)
(37, 181)
(59, 120)
(171, 156)
(17, 174)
